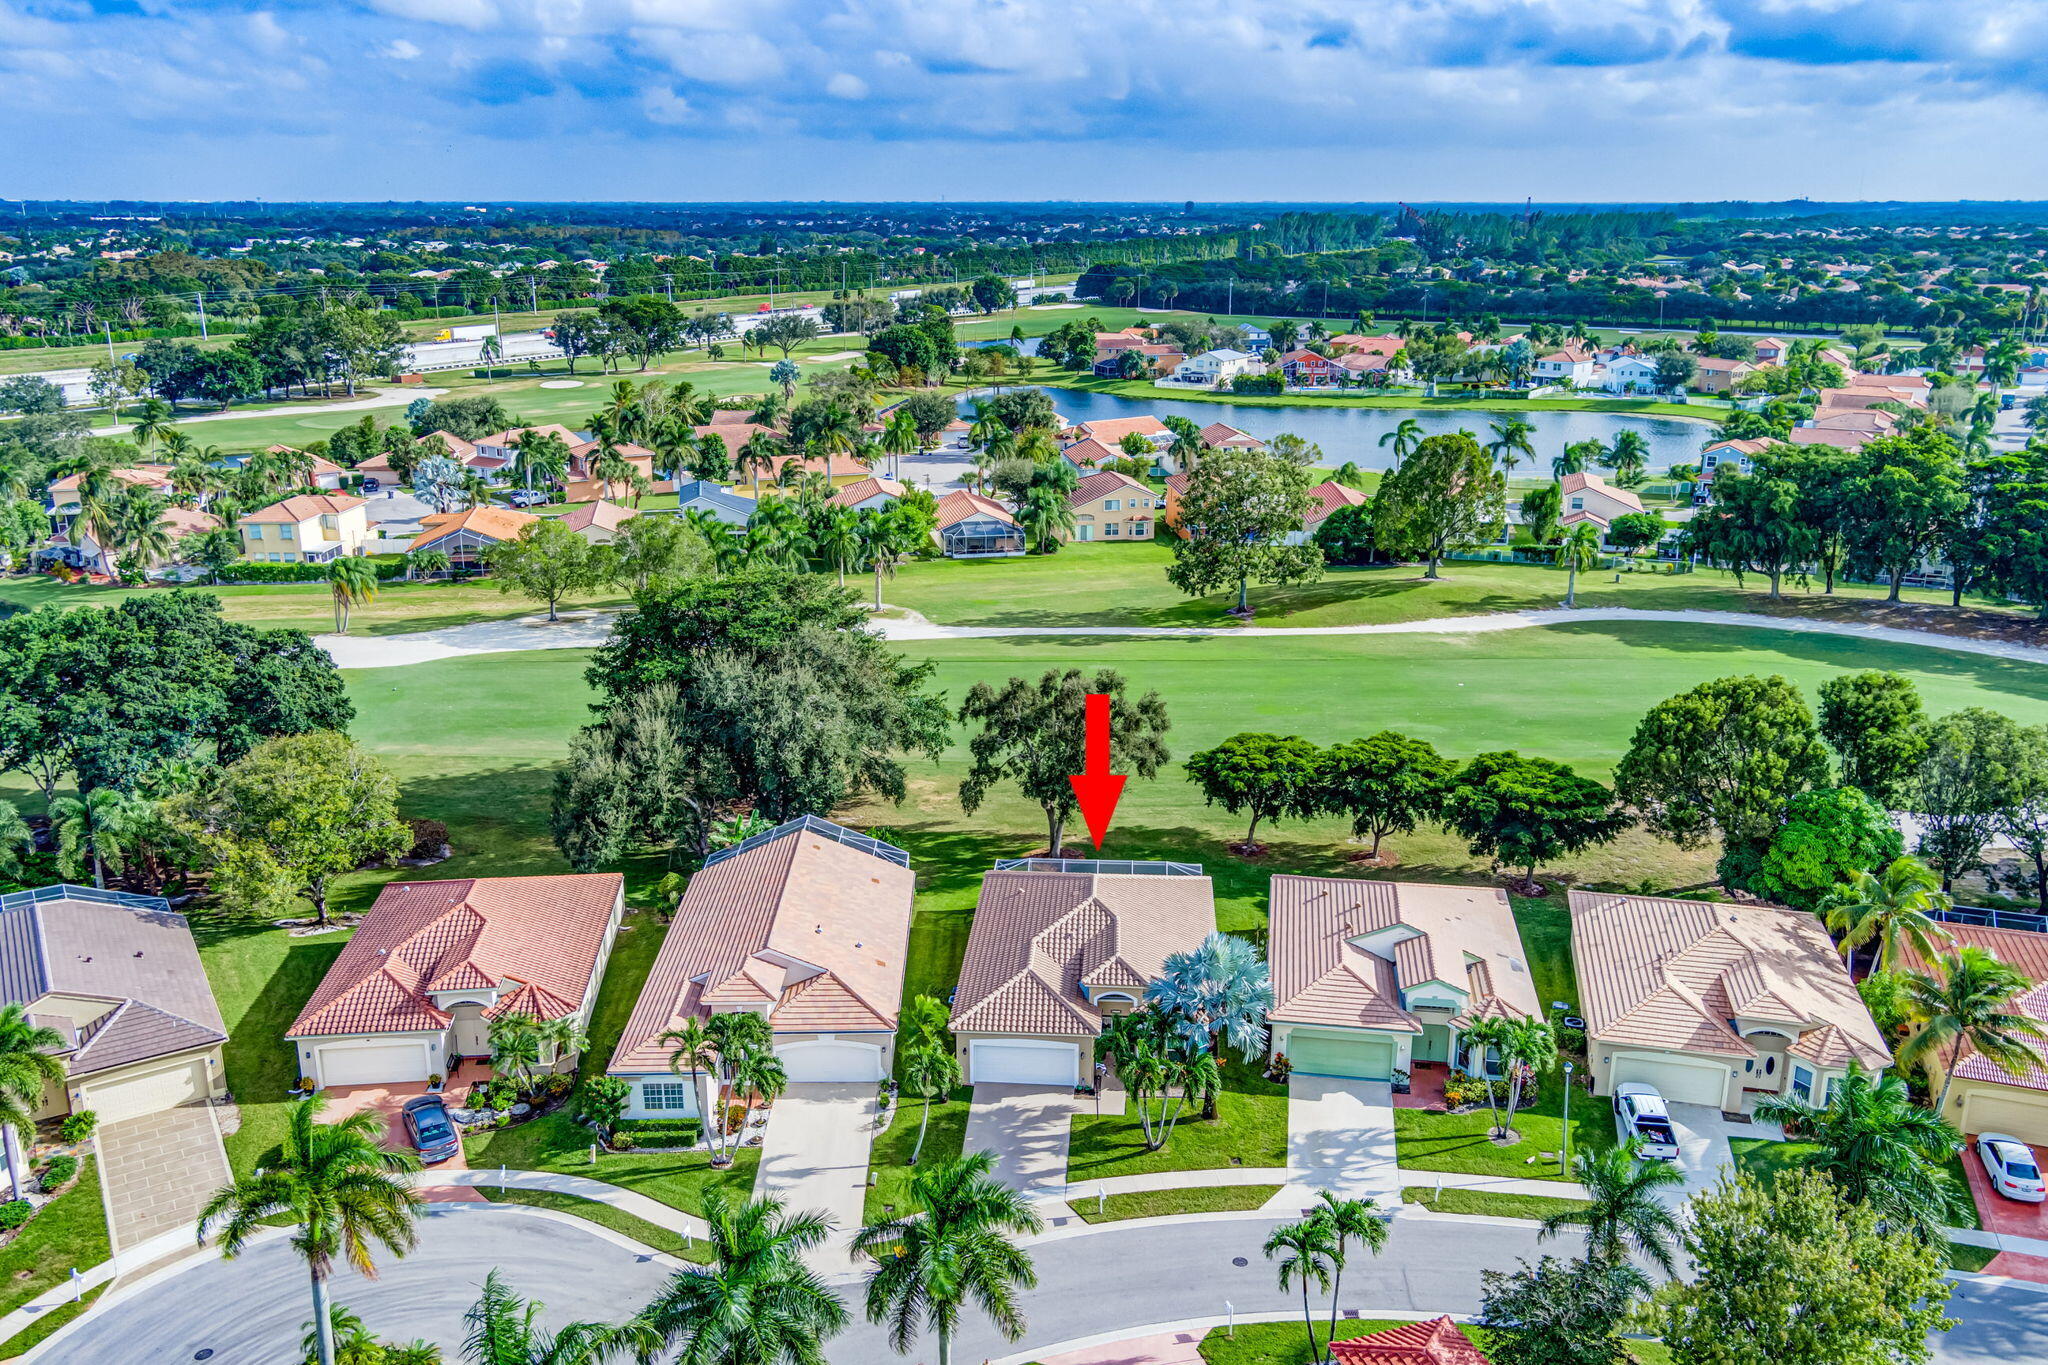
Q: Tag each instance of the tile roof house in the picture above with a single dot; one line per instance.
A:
(1588, 497)
(808, 924)
(715, 498)
(119, 977)
(1715, 1003)
(1088, 454)
(309, 528)
(971, 526)
(874, 491)
(1986, 1098)
(597, 522)
(433, 963)
(1371, 977)
(1713, 374)
(1109, 505)
(464, 536)
(1329, 495)
(1112, 430)
(64, 497)
(1219, 436)
(1436, 1342)
(178, 522)
(1056, 948)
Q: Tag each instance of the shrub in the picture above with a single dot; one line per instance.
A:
(78, 1127)
(58, 1171)
(14, 1213)
(257, 571)
(624, 1142)
(1279, 1068)
(1462, 1091)
(663, 1132)
(1572, 1040)
(429, 838)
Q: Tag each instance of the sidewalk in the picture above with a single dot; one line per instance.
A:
(1284, 1175)
(597, 1191)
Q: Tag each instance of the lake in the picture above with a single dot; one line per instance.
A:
(1354, 433)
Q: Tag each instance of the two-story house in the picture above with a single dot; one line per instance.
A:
(1108, 505)
(310, 528)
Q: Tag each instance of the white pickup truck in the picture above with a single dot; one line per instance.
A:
(1639, 1113)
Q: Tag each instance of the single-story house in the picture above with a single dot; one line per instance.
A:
(464, 536)
(1329, 496)
(1109, 505)
(1055, 949)
(119, 978)
(597, 522)
(434, 963)
(971, 526)
(326, 475)
(1372, 977)
(1588, 497)
(720, 501)
(1986, 1098)
(377, 473)
(1219, 436)
(1715, 1003)
(874, 491)
(808, 924)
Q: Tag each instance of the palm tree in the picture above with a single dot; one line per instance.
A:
(1623, 1213)
(1575, 458)
(541, 457)
(30, 1065)
(1528, 1049)
(1628, 456)
(762, 451)
(152, 419)
(1578, 549)
(344, 1190)
(836, 536)
(1306, 1250)
(958, 1247)
(16, 838)
(505, 1329)
(1345, 1219)
(930, 1067)
(1045, 516)
(1511, 442)
(1895, 908)
(691, 1053)
(754, 1302)
(353, 582)
(1403, 438)
(1877, 1145)
(1221, 989)
(1481, 1037)
(1968, 1003)
(94, 828)
(900, 438)
(139, 537)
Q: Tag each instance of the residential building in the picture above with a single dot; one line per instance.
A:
(1110, 431)
(119, 978)
(464, 536)
(432, 964)
(720, 501)
(597, 522)
(1732, 457)
(178, 522)
(873, 492)
(1088, 455)
(1986, 1098)
(377, 474)
(1218, 436)
(582, 483)
(502, 445)
(971, 526)
(1162, 360)
(1372, 977)
(1588, 497)
(1439, 1341)
(1631, 374)
(1059, 946)
(1716, 375)
(1176, 489)
(64, 495)
(806, 924)
(1716, 1003)
(1353, 343)
(1308, 370)
(1329, 495)
(1215, 369)
(323, 473)
(1572, 365)
(308, 528)
(1772, 350)
(1108, 505)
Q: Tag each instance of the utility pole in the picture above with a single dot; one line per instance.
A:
(110, 341)
(533, 293)
(199, 298)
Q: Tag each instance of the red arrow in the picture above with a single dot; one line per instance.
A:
(1098, 788)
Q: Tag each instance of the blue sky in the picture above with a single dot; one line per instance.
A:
(1564, 100)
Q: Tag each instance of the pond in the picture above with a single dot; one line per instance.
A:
(1353, 434)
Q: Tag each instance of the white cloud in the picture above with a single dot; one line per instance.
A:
(843, 85)
(400, 50)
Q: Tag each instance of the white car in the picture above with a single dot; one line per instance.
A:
(1640, 1116)
(2011, 1165)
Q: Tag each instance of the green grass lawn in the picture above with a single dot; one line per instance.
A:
(652, 1235)
(889, 1168)
(1447, 402)
(1250, 1130)
(70, 1233)
(1169, 1203)
(558, 1143)
(1489, 1203)
(49, 1324)
(1286, 1343)
(1459, 1142)
(1969, 1258)
(1763, 1159)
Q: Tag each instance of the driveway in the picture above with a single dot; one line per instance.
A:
(1340, 1137)
(158, 1172)
(814, 1158)
(2007, 1217)
(387, 1102)
(1703, 1150)
(1027, 1127)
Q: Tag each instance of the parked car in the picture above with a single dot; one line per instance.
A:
(2011, 1165)
(431, 1130)
(520, 497)
(1639, 1113)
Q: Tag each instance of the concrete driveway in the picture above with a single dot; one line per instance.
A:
(1703, 1151)
(1027, 1127)
(814, 1158)
(158, 1171)
(1340, 1137)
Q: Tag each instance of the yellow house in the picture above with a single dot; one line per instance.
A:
(311, 528)
(1986, 1098)
(1112, 506)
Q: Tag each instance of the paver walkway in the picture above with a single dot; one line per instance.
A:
(814, 1156)
(158, 1172)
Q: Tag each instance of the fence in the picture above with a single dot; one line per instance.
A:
(1984, 915)
(1097, 867)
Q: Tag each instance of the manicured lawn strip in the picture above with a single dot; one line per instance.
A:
(604, 1215)
(1764, 1159)
(1286, 1343)
(1489, 1203)
(70, 1233)
(889, 1168)
(1962, 1256)
(1459, 1142)
(1167, 1203)
(1251, 1126)
(47, 1325)
(558, 1143)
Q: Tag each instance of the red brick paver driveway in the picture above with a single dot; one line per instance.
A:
(2008, 1217)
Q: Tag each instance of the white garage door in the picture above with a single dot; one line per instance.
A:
(372, 1063)
(2024, 1119)
(1678, 1082)
(833, 1060)
(149, 1092)
(1022, 1063)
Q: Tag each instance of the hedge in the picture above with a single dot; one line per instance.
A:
(257, 571)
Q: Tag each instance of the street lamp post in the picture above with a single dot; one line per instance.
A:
(1567, 1164)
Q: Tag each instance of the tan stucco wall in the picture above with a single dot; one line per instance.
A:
(56, 1100)
(1954, 1111)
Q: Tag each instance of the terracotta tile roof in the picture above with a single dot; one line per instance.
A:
(184, 521)
(380, 463)
(1105, 483)
(1742, 447)
(1568, 355)
(305, 507)
(605, 516)
(537, 937)
(1721, 365)
(1323, 973)
(815, 928)
(1218, 435)
(1110, 430)
(1360, 361)
(1674, 974)
(2026, 952)
(510, 436)
(493, 523)
(135, 476)
(874, 486)
(1830, 436)
(1593, 483)
(1177, 484)
(959, 505)
(1089, 451)
(1353, 343)
(1038, 935)
(1329, 496)
(448, 441)
(1438, 1342)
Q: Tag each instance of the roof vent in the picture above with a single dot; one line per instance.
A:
(138, 952)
